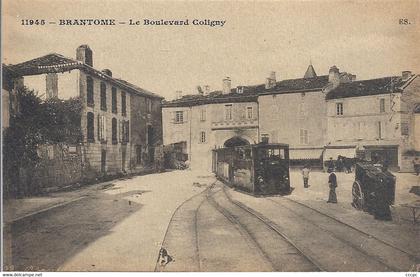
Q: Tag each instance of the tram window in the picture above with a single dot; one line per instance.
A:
(276, 153)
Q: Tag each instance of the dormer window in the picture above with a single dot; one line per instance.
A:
(240, 90)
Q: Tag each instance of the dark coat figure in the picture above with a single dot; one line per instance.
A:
(381, 204)
(332, 182)
(381, 207)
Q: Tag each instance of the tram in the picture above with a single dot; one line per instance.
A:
(259, 169)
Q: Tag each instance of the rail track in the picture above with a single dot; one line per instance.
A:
(393, 252)
(277, 245)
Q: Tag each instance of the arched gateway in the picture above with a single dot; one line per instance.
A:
(236, 141)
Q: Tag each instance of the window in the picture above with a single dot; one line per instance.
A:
(102, 128)
(179, 116)
(265, 138)
(103, 96)
(339, 108)
(302, 109)
(203, 115)
(249, 113)
(148, 105)
(202, 137)
(89, 94)
(303, 136)
(382, 105)
(114, 100)
(124, 131)
(379, 124)
(114, 131)
(404, 129)
(228, 112)
(123, 104)
(138, 154)
(90, 127)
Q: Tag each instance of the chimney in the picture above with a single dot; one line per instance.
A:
(107, 72)
(334, 76)
(227, 83)
(84, 54)
(270, 82)
(406, 75)
(206, 89)
(52, 85)
(178, 94)
(200, 91)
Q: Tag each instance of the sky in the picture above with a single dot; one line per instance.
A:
(360, 37)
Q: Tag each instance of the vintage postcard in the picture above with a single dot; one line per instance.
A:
(210, 136)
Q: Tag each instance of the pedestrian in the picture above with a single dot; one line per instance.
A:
(416, 165)
(305, 175)
(330, 165)
(332, 182)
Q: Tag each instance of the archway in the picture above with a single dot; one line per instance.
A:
(236, 141)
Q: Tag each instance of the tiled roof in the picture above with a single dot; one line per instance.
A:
(366, 87)
(250, 93)
(54, 63)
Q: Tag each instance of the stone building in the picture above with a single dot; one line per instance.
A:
(375, 117)
(320, 117)
(121, 123)
(206, 121)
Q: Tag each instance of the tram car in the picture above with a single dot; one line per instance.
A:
(373, 187)
(260, 169)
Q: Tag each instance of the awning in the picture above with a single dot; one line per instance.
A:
(335, 152)
(305, 154)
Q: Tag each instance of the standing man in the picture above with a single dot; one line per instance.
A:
(332, 182)
(305, 174)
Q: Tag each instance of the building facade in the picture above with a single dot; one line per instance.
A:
(375, 117)
(120, 122)
(209, 121)
(320, 117)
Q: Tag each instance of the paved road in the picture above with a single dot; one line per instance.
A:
(203, 226)
(213, 232)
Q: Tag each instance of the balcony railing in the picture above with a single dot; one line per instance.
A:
(235, 124)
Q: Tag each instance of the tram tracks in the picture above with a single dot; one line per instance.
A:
(275, 237)
(271, 243)
(387, 254)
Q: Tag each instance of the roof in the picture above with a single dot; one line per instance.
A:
(367, 87)
(54, 63)
(251, 93)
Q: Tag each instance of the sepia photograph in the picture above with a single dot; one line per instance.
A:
(210, 136)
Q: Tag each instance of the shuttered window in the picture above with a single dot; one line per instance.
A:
(303, 136)
(89, 91)
(103, 96)
(114, 131)
(102, 128)
(90, 127)
(114, 100)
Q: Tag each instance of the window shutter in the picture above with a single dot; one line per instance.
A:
(127, 127)
(185, 115)
(104, 127)
(120, 133)
(99, 127)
